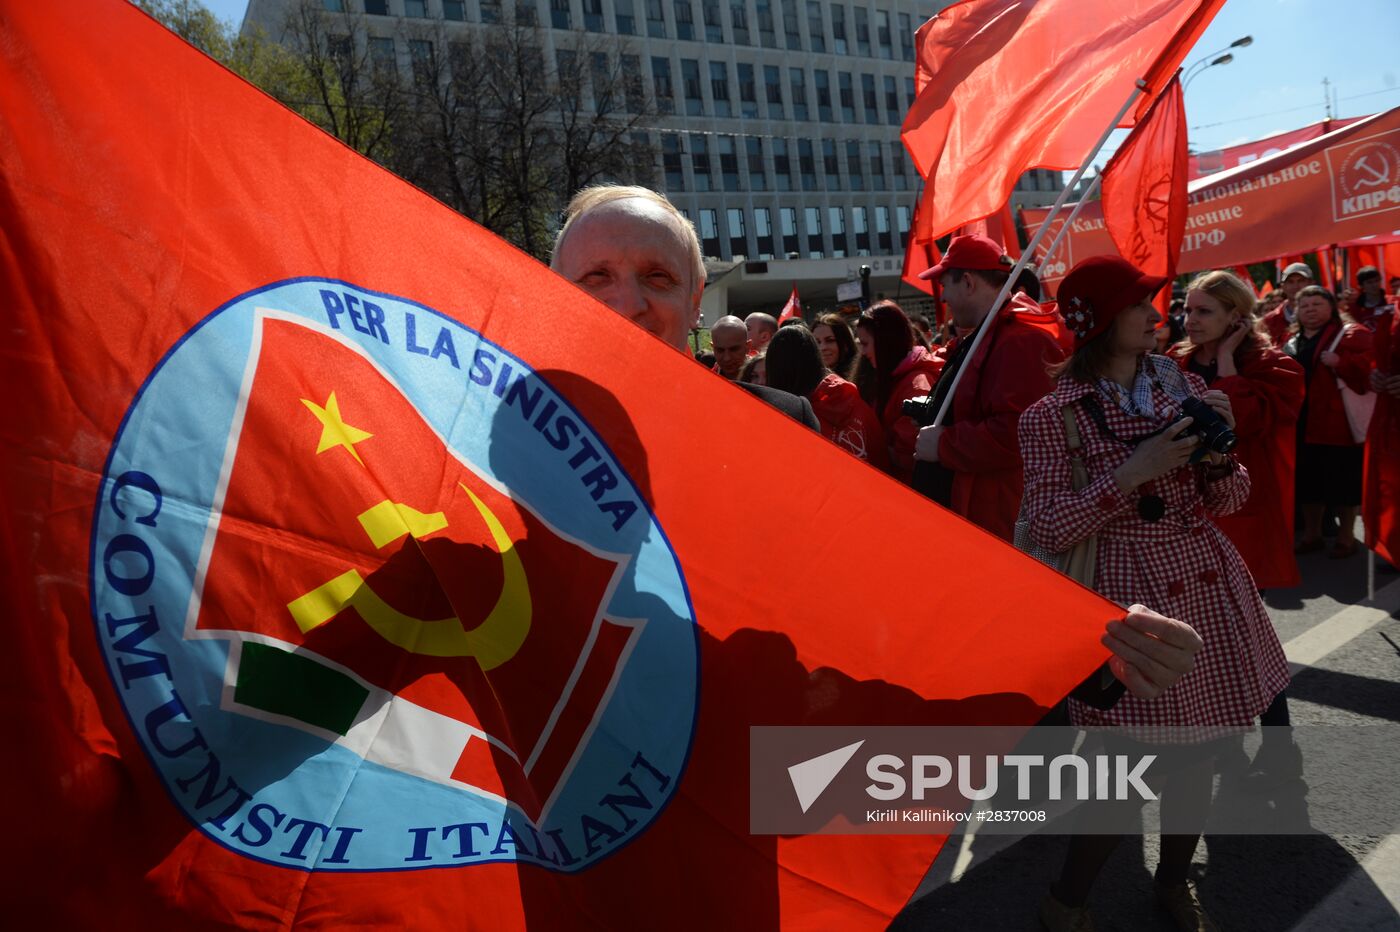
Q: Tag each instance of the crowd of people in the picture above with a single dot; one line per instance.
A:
(1180, 457)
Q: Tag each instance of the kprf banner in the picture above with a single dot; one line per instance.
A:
(1332, 189)
(355, 569)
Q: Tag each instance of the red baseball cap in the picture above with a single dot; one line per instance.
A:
(975, 253)
(1096, 290)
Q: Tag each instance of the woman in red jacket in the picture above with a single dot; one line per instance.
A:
(795, 365)
(893, 369)
(1230, 351)
(1329, 458)
(838, 345)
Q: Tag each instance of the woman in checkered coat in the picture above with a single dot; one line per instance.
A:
(1150, 506)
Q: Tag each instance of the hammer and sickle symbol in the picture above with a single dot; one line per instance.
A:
(492, 643)
(1377, 177)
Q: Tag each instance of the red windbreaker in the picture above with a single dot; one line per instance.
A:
(848, 421)
(1327, 419)
(1266, 395)
(915, 377)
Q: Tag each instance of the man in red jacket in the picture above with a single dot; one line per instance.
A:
(976, 451)
(1295, 278)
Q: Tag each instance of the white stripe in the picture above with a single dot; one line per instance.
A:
(1368, 899)
(1350, 623)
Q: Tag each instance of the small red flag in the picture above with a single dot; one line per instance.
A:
(1144, 187)
(1009, 85)
(793, 309)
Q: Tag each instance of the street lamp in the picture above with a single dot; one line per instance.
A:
(1213, 59)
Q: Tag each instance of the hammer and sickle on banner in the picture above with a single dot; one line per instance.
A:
(492, 643)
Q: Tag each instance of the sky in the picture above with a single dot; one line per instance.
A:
(1273, 85)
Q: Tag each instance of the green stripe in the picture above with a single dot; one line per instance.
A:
(284, 683)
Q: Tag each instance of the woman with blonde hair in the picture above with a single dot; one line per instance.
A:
(1229, 349)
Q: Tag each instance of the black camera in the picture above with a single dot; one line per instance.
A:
(1216, 436)
(922, 410)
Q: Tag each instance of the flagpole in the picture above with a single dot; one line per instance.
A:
(1059, 237)
(1139, 88)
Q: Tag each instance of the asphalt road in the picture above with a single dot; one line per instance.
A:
(1349, 672)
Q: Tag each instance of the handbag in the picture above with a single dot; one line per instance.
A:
(1078, 561)
(1359, 408)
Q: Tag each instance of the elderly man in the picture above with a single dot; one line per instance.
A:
(1295, 278)
(631, 249)
(730, 340)
(761, 328)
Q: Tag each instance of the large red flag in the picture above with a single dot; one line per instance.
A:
(1380, 496)
(1009, 85)
(345, 584)
(1144, 187)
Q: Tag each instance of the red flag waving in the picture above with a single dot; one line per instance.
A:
(346, 585)
(1144, 187)
(1010, 85)
(793, 309)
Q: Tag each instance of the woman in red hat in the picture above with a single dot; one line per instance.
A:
(1151, 493)
(795, 365)
(894, 369)
(1228, 348)
(1329, 346)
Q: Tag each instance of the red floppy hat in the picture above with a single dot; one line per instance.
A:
(1096, 290)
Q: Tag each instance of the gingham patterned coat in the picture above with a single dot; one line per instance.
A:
(1182, 566)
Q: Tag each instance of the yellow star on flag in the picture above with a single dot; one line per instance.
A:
(334, 431)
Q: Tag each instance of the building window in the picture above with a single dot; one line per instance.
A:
(813, 216)
(690, 83)
(891, 100)
(782, 164)
(901, 180)
(807, 164)
(685, 20)
(416, 8)
(763, 231)
(333, 6)
(792, 246)
(882, 34)
(906, 37)
(661, 85)
(872, 103)
(838, 231)
(625, 12)
(656, 19)
(593, 15)
(632, 84)
(823, 80)
(714, 25)
(381, 52)
(773, 88)
(491, 11)
(739, 21)
(853, 168)
(738, 237)
(559, 14)
(748, 91)
(601, 74)
(719, 88)
(700, 162)
(339, 49)
(877, 166)
(816, 30)
(377, 7)
(848, 97)
(790, 28)
(862, 31)
(671, 162)
(830, 166)
(797, 80)
(882, 228)
(455, 10)
(758, 171)
(838, 29)
(860, 225)
(420, 59)
(908, 92)
(729, 163)
(764, 11)
(709, 232)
